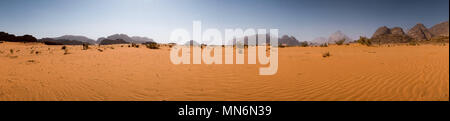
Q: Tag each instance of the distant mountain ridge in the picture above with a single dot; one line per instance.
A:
(76, 38)
(417, 33)
(441, 29)
(126, 38)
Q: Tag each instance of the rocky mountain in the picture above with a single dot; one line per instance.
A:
(382, 31)
(319, 41)
(13, 38)
(289, 41)
(337, 36)
(111, 42)
(440, 29)
(420, 32)
(76, 38)
(397, 31)
(142, 39)
(126, 38)
(387, 35)
(52, 41)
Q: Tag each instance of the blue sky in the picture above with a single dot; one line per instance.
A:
(303, 19)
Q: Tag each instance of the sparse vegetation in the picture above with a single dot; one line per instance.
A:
(66, 50)
(364, 41)
(324, 45)
(85, 46)
(340, 42)
(151, 45)
(100, 50)
(413, 43)
(134, 45)
(327, 54)
(304, 44)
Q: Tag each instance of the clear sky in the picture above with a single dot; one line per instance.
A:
(303, 19)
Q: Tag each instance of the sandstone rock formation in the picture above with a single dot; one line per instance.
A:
(386, 35)
(419, 32)
(382, 31)
(397, 31)
(440, 29)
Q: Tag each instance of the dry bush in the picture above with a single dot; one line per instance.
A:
(364, 41)
(304, 44)
(327, 54)
(152, 45)
(85, 46)
(340, 42)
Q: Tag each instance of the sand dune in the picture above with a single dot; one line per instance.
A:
(355, 73)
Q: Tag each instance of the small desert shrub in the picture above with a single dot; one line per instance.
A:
(304, 44)
(413, 43)
(327, 54)
(66, 50)
(134, 45)
(364, 41)
(152, 45)
(100, 50)
(85, 46)
(324, 45)
(340, 42)
(11, 51)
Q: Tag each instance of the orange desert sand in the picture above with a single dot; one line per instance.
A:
(351, 73)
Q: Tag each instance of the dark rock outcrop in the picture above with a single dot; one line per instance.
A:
(52, 41)
(419, 32)
(440, 29)
(13, 38)
(111, 42)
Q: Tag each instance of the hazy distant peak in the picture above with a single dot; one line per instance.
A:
(76, 38)
(337, 36)
(126, 38)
